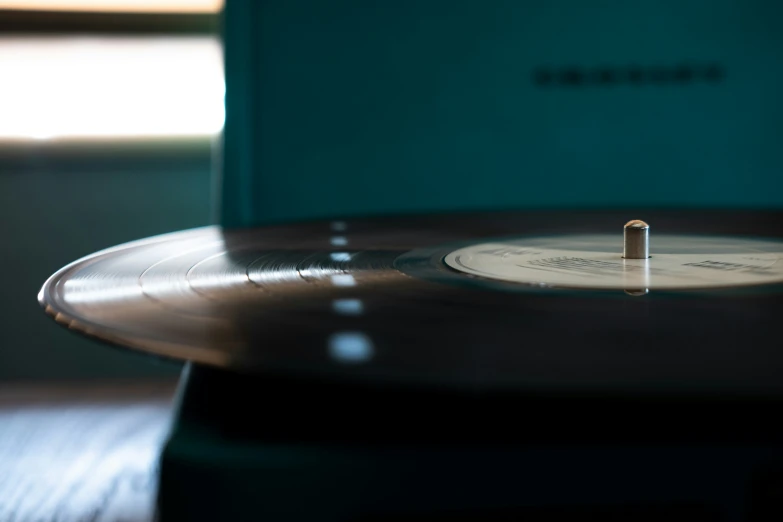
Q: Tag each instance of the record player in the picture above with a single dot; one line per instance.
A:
(477, 261)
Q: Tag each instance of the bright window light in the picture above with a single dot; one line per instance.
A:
(125, 6)
(89, 87)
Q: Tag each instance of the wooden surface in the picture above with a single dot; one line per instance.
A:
(81, 453)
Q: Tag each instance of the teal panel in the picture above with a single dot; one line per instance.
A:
(60, 202)
(353, 107)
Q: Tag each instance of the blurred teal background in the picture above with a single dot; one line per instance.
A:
(59, 203)
(360, 107)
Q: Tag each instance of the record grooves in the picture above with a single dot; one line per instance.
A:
(377, 299)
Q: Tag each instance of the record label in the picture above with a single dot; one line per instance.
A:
(596, 262)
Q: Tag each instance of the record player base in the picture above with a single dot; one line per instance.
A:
(246, 448)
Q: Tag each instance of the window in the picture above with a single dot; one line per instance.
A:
(110, 68)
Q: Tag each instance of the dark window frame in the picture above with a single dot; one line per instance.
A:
(16, 22)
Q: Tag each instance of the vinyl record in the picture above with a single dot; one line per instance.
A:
(532, 301)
